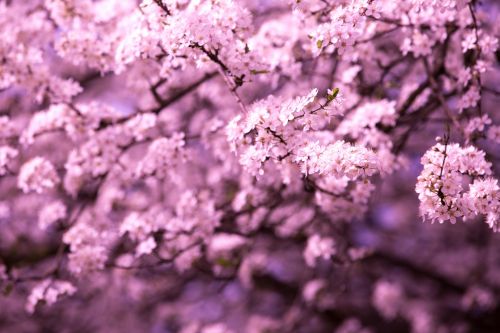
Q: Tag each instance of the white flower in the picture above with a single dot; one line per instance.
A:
(318, 247)
(37, 175)
(440, 185)
(48, 291)
(387, 298)
(51, 213)
(145, 247)
(6, 155)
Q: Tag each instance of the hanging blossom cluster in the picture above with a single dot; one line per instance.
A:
(442, 186)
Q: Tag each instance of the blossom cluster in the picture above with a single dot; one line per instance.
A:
(78, 121)
(37, 175)
(284, 132)
(184, 229)
(101, 152)
(442, 186)
(318, 247)
(345, 26)
(88, 245)
(51, 213)
(196, 33)
(21, 46)
(163, 155)
(49, 291)
(7, 154)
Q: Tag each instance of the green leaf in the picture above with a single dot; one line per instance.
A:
(335, 92)
(224, 262)
(333, 95)
(258, 71)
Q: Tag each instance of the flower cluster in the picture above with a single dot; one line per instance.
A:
(344, 199)
(436, 14)
(8, 128)
(22, 49)
(37, 175)
(276, 130)
(7, 154)
(494, 134)
(88, 30)
(387, 298)
(318, 247)
(196, 33)
(477, 125)
(163, 156)
(77, 121)
(51, 213)
(441, 186)
(140, 228)
(88, 242)
(338, 159)
(48, 291)
(346, 24)
(190, 223)
(100, 153)
(364, 123)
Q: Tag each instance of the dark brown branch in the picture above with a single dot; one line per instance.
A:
(163, 7)
(183, 92)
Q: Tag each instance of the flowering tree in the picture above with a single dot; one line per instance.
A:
(249, 166)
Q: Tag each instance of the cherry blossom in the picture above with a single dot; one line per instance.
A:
(49, 291)
(38, 175)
